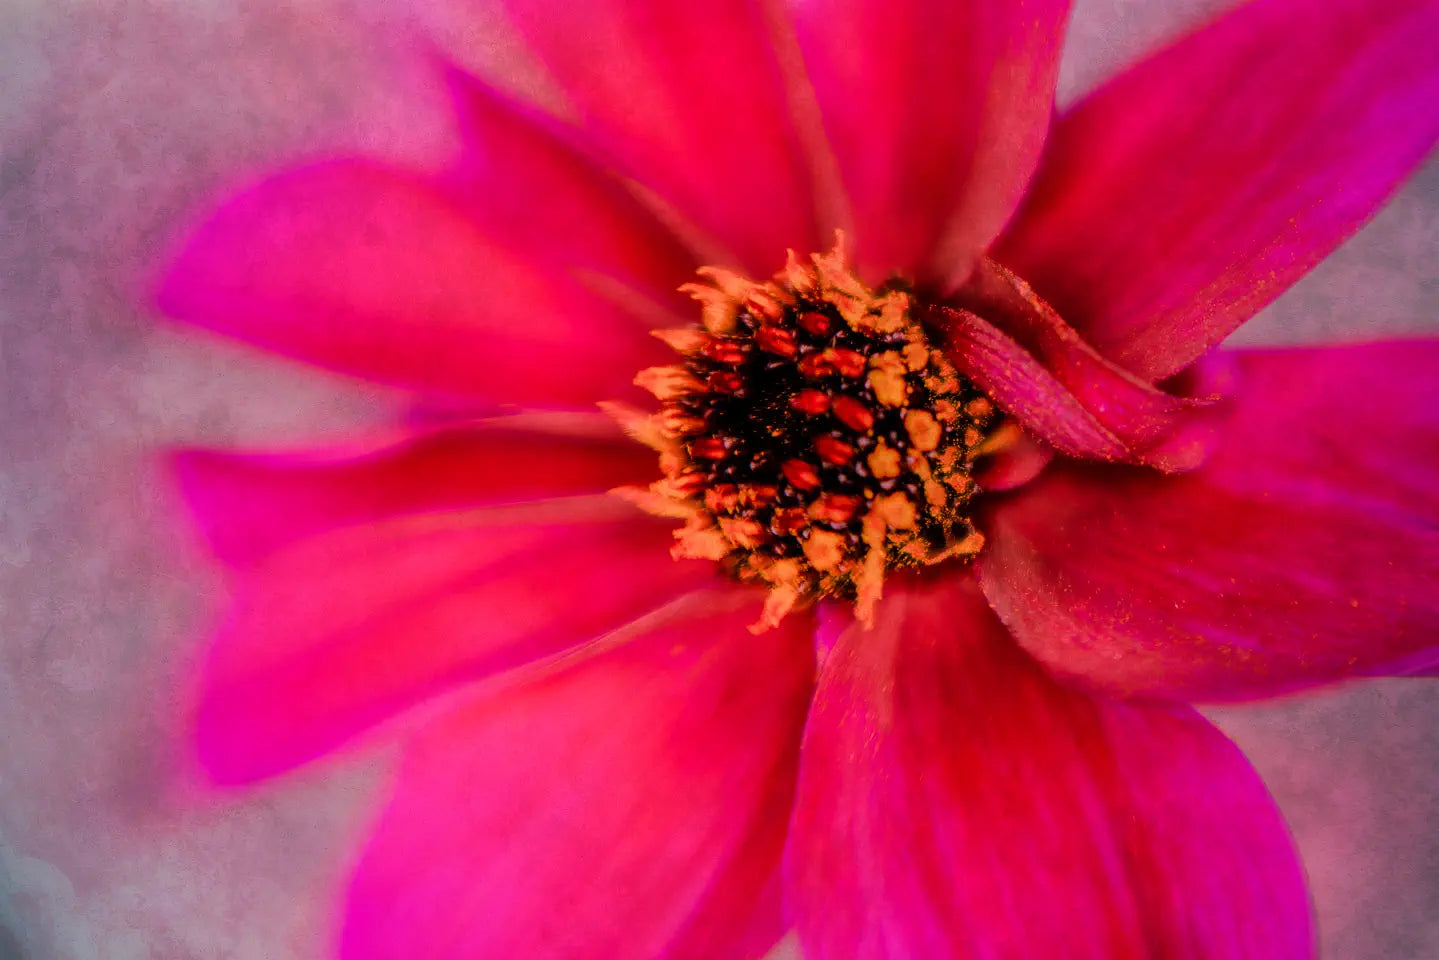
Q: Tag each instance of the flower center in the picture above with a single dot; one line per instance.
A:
(810, 436)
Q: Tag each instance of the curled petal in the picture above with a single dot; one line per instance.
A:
(956, 803)
(1038, 369)
(1303, 551)
(1185, 194)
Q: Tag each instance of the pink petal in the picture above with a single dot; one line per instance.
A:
(1021, 460)
(522, 179)
(249, 505)
(690, 100)
(955, 802)
(1187, 193)
(372, 272)
(1304, 550)
(1038, 370)
(936, 112)
(631, 808)
(343, 631)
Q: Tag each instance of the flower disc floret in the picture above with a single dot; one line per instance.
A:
(810, 436)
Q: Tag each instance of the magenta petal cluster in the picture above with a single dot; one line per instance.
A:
(610, 764)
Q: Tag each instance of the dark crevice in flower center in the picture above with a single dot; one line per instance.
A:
(811, 437)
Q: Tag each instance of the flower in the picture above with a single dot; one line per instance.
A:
(986, 755)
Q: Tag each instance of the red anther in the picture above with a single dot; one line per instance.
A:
(790, 520)
(801, 474)
(722, 497)
(776, 340)
(679, 422)
(726, 381)
(760, 494)
(853, 414)
(812, 402)
(689, 483)
(724, 351)
(835, 508)
(833, 450)
(708, 448)
(815, 322)
(847, 362)
(816, 365)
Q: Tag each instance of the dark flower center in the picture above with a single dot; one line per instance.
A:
(811, 437)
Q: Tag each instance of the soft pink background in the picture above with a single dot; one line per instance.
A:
(116, 119)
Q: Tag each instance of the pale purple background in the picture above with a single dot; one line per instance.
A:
(116, 118)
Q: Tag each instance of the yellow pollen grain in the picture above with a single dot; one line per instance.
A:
(934, 494)
(924, 431)
(824, 549)
(897, 510)
(893, 311)
(916, 357)
(883, 461)
(886, 378)
(948, 383)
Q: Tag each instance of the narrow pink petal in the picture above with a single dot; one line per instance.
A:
(599, 813)
(372, 272)
(519, 175)
(689, 98)
(345, 630)
(936, 112)
(955, 803)
(1304, 550)
(1187, 193)
(1041, 373)
(248, 505)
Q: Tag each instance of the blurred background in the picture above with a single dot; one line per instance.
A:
(118, 118)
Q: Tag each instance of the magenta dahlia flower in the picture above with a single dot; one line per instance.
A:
(877, 610)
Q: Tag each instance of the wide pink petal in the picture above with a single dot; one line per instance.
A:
(955, 802)
(249, 505)
(631, 808)
(936, 112)
(1187, 193)
(1304, 550)
(521, 176)
(689, 98)
(340, 632)
(374, 272)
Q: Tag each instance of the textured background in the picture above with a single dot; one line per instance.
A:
(116, 118)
